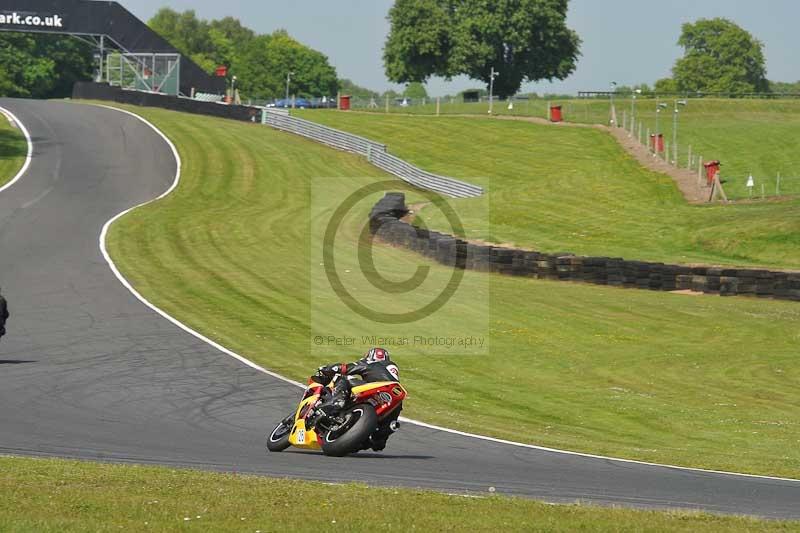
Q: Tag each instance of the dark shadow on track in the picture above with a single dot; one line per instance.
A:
(359, 455)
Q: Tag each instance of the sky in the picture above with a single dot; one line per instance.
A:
(624, 41)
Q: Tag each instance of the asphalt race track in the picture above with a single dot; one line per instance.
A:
(88, 371)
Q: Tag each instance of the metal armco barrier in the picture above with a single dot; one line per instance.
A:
(386, 223)
(375, 153)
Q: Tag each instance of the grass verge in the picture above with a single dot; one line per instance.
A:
(45, 495)
(13, 150)
(705, 382)
(575, 189)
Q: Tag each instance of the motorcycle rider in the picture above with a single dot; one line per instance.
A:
(376, 365)
(3, 315)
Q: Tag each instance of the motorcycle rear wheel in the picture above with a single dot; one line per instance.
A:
(278, 439)
(360, 422)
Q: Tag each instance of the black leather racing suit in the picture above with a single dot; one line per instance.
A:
(369, 373)
(3, 315)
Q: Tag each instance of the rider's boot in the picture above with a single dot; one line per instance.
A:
(378, 439)
(337, 399)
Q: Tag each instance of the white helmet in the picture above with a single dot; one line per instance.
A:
(377, 355)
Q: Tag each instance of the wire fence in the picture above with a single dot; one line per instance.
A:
(756, 144)
(750, 136)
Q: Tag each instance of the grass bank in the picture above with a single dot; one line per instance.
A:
(750, 136)
(575, 190)
(46, 495)
(13, 149)
(707, 382)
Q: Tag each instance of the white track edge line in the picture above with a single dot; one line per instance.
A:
(251, 364)
(28, 157)
(127, 285)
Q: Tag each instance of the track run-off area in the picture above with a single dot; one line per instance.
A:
(90, 371)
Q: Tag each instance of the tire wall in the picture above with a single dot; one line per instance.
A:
(386, 223)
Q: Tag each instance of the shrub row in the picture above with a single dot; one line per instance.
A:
(386, 224)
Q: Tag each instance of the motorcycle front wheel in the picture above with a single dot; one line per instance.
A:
(360, 421)
(278, 440)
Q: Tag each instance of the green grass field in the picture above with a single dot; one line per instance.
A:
(13, 149)
(761, 137)
(60, 496)
(575, 190)
(697, 381)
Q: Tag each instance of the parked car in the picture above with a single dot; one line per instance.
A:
(299, 103)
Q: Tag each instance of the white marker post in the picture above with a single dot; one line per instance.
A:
(750, 184)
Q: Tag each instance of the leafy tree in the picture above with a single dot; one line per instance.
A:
(719, 56)
(256, 69)
(523, 40)
(415, 90)
(229, 37)
(267, 59)
(233, 30)
(482, 92)
(209, 44)
(784, 87)
(42, 66)
(667, 85)
(187, 33)
(261, 63)
(349, 87)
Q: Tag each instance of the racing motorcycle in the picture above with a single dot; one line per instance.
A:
(366, 417)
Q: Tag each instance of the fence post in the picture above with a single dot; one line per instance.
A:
(689, 158)
(717, 190)
(666, 151)
(549, 118)
(438, 104)
(778, 185)
(647, 140)
(700, 171)
(624, 118)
